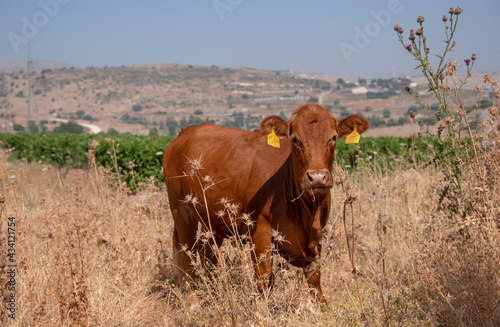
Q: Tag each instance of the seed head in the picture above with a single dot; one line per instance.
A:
(407, 87)
(457, 11)
(419, 31)
(473, 57)
(441, 76)
(420, 19)
(397, 27)
(452, 11)
(445, 19)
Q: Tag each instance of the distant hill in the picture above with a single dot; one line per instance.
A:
(38, 65)
(162, 98)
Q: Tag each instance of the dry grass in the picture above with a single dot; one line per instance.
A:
(91, 254)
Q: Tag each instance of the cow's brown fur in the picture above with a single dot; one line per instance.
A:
(286, 189)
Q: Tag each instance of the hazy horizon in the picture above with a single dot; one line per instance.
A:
(354, 39)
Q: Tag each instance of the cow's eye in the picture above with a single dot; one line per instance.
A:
(335, 138)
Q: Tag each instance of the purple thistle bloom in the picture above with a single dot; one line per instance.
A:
(467, 61)
(408, 47)
(412, 35)
(443, 171)
(419, 134)
(427, 50)
(412, 114)
(453, 44)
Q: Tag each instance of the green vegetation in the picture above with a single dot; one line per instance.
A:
(383, 152)
(79, 114)
(136, 108)
(114, 152)
(380, 95)
(69, 127)
(71, 150)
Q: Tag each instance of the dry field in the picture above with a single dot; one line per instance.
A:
(88, 253)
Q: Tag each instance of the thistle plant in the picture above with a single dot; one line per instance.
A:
(450, 148)
(435, 76)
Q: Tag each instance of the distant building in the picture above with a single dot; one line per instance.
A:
(283, 98)
(359, 90)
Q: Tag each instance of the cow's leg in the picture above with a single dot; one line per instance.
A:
(185, 248)
(313, 276)
(210, 250)
(261, 239)
(183, 239)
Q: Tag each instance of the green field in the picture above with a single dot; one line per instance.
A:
(116, 152)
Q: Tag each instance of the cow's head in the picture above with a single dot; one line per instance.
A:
(313, 132)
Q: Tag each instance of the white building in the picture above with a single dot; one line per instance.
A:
(359, 90)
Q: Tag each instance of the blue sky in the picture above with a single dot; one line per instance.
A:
(244, 33)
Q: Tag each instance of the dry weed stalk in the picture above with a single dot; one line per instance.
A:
(349, 197)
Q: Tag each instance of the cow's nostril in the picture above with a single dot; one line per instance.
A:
(317, 178)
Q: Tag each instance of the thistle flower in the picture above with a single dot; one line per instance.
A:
(467, 62)
(473, 57)
(427, 50)
(457, 11)
(397, 27)
(445, 19)
(453, 44)
(419, 31)
(419, 134)
(412, 114)
(441, 76)
(400, 31)
(412, 35)
(420, 19)
(408, 47)
(452, 11)
(407, 87)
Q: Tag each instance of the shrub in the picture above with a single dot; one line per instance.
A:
(69, 127)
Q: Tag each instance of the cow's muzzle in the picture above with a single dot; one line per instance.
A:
(318, 179)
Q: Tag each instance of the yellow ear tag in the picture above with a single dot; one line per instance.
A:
(273, 140)
(353, 137)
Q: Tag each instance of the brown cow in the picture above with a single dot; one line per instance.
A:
(286, 189)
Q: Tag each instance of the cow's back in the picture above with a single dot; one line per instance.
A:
(229, 164)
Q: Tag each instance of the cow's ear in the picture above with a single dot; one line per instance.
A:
(281, 127)
(346, 125)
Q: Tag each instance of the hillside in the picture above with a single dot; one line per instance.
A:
(136, 99)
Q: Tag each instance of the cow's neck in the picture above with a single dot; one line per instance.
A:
(304, 205)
